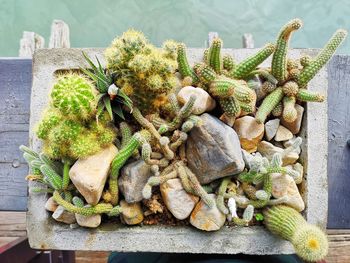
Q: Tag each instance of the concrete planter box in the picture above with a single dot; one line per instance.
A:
(45, 233)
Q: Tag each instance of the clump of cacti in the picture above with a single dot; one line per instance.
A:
(140, 83)
(294, 75)
(143, 72)
(69, 128)
(310, 242)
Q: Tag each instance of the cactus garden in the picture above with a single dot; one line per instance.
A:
(147, 136)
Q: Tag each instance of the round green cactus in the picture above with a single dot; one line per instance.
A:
(74, 96)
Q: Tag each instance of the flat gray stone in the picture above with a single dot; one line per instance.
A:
(271, 128)
(133, 178)
(213, 150)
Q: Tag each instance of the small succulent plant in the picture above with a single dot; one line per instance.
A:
(111, 98)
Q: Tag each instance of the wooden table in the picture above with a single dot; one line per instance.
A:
(15, 88)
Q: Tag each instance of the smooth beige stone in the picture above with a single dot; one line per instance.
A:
(249, 132)
(284, 185)
(62, 215)
(89, 174)
(176, 199)
(207, 219)
(283, 134)
(131, 213)
(88, 221)
(267, 150)
(203, 103)
(294, 126)
(51, 205)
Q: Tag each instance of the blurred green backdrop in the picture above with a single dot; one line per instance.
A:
(95, 23)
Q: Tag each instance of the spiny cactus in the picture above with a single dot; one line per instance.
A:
(221, 195)
(54, 175)
(144, 72)
(228, 63)
(268, 104)
(191, 184)
(170, 49)
(247, 214)
(74, 96)
(214, 59)
(101, 208)
(183, 65)
(244, 68)
(311, 68)
(120, 159)
(310, 242)
(279, 60)
(289, 111)
(156, 180)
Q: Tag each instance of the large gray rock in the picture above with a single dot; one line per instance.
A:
(213, 150)
(133, 178)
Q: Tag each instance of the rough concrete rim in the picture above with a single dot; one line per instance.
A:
(45, 233)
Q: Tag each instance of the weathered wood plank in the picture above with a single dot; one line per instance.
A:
(338, 134)
(248, 40)
(59, 37)
(29, 42)
(12, 224)
(15, 87)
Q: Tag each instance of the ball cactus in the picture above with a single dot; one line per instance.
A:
(73, 95)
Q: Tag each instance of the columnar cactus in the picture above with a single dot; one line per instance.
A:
(279, 60)
(310, 242)
(101, 208)
(313, 66)
(269, 103)
(214, 59)
(120, 159)
(244, 68)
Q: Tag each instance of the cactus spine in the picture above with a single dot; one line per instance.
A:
(214, 56)
(309, 242)
(310, 70)
(120, 159)
(268, 104)
(101, 208)
(289, 112)
(279, 61)
(244, 68)
(183, 65)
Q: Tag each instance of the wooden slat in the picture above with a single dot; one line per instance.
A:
(91, 256)
(12, 224)
(338, 134)
(15, 87)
